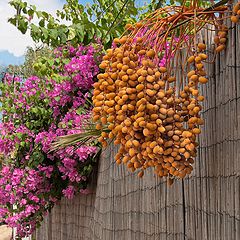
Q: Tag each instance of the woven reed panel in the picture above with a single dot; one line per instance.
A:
(205, 206)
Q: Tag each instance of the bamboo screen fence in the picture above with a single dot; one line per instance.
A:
(206, 205)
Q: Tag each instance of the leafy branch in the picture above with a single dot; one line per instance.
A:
(86, 23)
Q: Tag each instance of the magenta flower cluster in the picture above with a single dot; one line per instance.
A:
(36, 111)
(27, 191)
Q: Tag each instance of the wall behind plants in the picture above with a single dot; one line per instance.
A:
(205, 205)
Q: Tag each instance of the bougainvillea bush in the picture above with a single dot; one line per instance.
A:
(35, 111)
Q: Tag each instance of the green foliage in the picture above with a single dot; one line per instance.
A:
(33, 55)
(27, 69)
(14, 69)
(38, 115)
(103, 19)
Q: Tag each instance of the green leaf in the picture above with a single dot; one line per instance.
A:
(45, 32)
(34, 110)
(31, 12)
(57, 99)
(22, 26)
(45, 14)
(35, 32)
(28, 125)
(42, 23)
(71, 33)
(24, 10)
(104, 23)
(19, 135)
(53, 33)
(46, 101)
(98, 33)
(13, 21)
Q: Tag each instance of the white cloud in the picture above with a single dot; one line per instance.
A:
(10, 38)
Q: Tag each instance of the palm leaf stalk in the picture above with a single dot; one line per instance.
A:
(89, 136)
